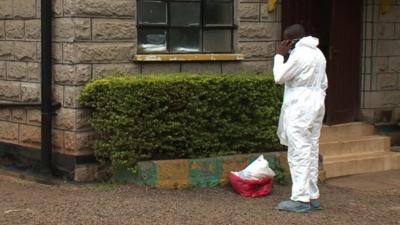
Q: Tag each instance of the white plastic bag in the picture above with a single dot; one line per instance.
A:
(258, 169)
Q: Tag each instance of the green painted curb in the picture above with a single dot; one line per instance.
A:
(205, 172)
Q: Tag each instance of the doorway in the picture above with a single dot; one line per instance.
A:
(338, 26)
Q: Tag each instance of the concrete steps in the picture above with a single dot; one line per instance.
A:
(357, 145)
(345, 131)
(353, 148)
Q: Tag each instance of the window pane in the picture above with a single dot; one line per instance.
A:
(217, 41)
(152, 12)
(184, 40)
(152, 40)
(185, 14)
(218, 13)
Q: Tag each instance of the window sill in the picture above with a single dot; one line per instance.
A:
(187, 57)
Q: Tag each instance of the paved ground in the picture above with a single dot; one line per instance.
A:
(345, 200)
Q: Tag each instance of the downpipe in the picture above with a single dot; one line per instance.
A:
(46, 87)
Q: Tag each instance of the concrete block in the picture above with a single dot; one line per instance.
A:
(72, 74)
(391, 98)
(161, 67)
(57, 52)
(123, 8)
(6, 50)
(380, 64)
(82, 119)
(57, 8)
(265, 15)
(172, 175)
(205, 172)
(17, 70)
(387, 81)
(85, 142)
(2, 29)
(15, 29)
(258, 67)
(18, 115)
(104, 70)
(34, 72)
(6, 10)
(386, 30)
(79, 143)
(71, 29)
(249, 31)
(397, 31)
(34, 116)
(32, 29)
(113, 29)
(388, 48)
(201, 68)
(394, 64)
(30, 135)
(9, 90)
(70, 141)
(392, 15)
(3, 70)
(257, 50)
(24, 8)
(30, 92)
(98, 52)
(249, 11)
(58, 140)
(65, 119)
(25, 51)
(9, 131)
(5, 114)
(71, 96)
(373, 99)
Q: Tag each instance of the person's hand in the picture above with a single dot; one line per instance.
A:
(283, 47)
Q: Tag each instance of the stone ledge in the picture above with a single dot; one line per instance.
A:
(182, 173)
(188, 57)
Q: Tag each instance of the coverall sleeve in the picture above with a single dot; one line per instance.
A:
(325, 83)
(285, 71)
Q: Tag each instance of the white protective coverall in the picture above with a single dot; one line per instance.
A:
(302, 113)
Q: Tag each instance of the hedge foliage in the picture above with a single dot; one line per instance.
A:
(182, 116)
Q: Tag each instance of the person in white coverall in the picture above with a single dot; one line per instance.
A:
(302, 113)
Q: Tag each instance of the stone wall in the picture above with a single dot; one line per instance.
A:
(92, 39)
(381, 63)
(19, 71)
(20, 76)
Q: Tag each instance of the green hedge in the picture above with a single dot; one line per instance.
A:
(182, 116)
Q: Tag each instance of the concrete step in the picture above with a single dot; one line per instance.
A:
(361, 163)
(347, 130)
(363, 144)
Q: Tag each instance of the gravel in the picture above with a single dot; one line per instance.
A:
(23, 202)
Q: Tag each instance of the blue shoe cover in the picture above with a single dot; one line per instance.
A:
(315, 204)
(293, 206)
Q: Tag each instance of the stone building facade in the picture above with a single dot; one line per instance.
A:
(380, 79)
(97, 38)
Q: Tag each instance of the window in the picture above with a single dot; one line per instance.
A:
(185, 26)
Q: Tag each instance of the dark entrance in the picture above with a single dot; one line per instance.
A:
(338, 26)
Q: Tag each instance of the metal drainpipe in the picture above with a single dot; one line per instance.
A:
(46, 89)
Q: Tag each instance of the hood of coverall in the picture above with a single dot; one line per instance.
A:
(309, 41)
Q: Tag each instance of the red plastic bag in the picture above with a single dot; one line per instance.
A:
(251, 188)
